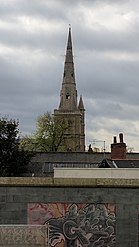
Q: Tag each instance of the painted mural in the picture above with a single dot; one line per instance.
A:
(79, 225)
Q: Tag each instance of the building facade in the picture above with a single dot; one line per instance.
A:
(70, 110)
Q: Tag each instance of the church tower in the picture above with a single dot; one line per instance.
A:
(69, 109)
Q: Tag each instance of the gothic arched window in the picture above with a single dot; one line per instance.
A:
(67, 96)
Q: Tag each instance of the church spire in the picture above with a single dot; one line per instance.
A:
(69, 76)
(68, 96)
(69, 110)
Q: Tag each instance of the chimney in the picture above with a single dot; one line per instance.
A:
(121, 137)
(114, 139)
(118, 150)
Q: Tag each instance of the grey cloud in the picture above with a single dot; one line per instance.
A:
(32, 8)
(22, 38)
(31, 72)
(112, 80)
(107, 40)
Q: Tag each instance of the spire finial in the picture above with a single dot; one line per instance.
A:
(69, 27)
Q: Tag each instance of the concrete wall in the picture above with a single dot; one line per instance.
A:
(124, 173)
(112, 203)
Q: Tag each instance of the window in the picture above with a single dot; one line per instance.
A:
(67, 96)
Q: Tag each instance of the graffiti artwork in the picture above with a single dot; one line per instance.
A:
(82, 225)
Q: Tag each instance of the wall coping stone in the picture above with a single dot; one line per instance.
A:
(68, 182)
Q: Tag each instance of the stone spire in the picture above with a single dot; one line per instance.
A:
(69, 76)
(68, 96)
(69, 110)
(81, 105)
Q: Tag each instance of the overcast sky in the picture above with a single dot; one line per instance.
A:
(105, 33)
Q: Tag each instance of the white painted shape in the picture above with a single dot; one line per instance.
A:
(125, 173)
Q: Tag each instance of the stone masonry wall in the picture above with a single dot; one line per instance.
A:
(110, 208)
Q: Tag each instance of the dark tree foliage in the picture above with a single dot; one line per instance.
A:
(13, 159)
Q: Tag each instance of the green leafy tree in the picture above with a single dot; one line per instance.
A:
(28, 142)
(13, 159)
(49, 135)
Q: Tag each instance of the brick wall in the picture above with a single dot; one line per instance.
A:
(118, 150)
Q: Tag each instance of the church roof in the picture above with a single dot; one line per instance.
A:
(108, 163)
